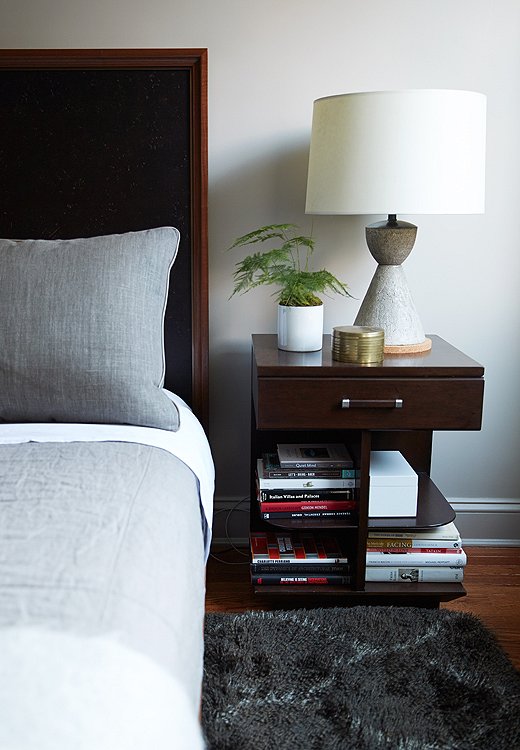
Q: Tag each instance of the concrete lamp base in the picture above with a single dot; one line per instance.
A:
(388, 303)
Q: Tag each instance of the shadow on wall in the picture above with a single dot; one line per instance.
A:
(230, 412)
(268, 186)
(265, 185)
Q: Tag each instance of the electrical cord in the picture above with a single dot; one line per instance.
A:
(232, 547)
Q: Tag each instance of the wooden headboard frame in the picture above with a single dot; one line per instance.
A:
(98, 141)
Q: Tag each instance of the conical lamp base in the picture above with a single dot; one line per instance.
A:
(388, 304)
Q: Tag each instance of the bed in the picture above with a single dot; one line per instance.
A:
(106, 474)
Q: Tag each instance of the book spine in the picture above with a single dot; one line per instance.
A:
(270, 473)
(323, 456)
(263, 559)
(280, 580)
(415, 574)
(296, 506)
(272, 469)
(310, 514)
(266, 545)
(304, 569)
(284, 496)
(453, 559)
(306, 485)
(435, 533)
(301, 546)
(375, 543)
(434, 550)
(311, 465)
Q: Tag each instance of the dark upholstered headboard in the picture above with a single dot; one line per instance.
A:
(97, 142)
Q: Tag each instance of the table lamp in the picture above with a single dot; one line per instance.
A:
(396, 152)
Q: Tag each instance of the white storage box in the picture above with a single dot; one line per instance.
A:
(393, 486)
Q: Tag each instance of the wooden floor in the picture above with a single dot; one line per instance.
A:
(491, 579)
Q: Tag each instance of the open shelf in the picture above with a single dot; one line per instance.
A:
(432, 510)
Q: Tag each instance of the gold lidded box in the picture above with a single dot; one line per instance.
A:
(358, 344)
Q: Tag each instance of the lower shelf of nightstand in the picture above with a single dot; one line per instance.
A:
(409, 594)
(445, 592)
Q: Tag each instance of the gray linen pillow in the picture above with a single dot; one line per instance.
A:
(81, 329)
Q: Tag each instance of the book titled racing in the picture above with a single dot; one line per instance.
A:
(314, 456)
(379, 544)
(440, 547)
(316, 580)
(296, 547)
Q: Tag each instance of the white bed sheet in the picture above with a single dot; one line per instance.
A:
(189, 444)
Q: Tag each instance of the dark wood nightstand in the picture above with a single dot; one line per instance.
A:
(396, 405)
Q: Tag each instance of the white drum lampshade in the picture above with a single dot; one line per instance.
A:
(397, 152)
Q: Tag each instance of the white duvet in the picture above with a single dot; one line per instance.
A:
(69, 691)
(60, 691)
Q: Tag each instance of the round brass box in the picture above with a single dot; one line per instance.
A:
(362, 345)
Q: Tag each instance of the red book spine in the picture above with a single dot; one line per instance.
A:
(295, 506)
(401, 550)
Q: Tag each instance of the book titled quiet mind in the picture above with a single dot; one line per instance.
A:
(324, 455)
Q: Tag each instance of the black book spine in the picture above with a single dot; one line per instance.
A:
(292, 569)
(310, 514)
(295, 580)
(283, 495)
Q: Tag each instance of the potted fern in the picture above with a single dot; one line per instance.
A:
(300, 310)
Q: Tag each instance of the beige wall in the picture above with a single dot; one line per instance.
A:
(268, 61)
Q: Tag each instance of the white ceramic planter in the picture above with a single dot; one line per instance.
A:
(300, 329)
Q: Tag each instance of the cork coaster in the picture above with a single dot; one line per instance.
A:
(424, 346)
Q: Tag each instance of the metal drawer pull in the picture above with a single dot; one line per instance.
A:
(357, 403)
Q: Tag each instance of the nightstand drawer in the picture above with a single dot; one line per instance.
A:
(414, 403)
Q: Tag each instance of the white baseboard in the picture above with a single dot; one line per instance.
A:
(481, 521)
(488, 521)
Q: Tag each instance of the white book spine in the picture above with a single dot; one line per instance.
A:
(411, 544)
(300, 560)
(302, 483)
(448, 531)
(417, 575)
(305, 484)
(407, 559)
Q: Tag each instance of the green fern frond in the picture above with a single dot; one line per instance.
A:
(285, 266)
(263, 234)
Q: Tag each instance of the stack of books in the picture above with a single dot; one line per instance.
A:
(298, 558)
(430, 556)
(307, 482)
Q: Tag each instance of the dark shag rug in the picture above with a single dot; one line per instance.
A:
(363, 678)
